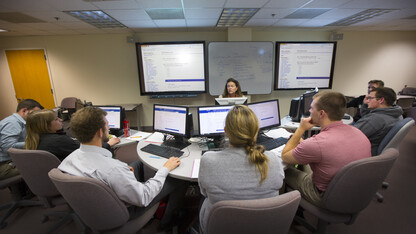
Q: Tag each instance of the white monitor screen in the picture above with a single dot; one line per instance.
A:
(113, 116)
(211, 119)
(267, 113)
(170, 119)
(304, 65)
(231, 101)
(171, 67)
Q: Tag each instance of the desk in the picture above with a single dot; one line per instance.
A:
(124, 141)
(286, 122)
(184, 170)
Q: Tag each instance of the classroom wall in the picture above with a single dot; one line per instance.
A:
(103, 68)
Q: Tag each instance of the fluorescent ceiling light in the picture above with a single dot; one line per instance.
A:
(98, 19)
(162, 14)
(235, 17)
(361, 16)
(3, 30)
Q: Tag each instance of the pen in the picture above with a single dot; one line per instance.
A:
(155, 157)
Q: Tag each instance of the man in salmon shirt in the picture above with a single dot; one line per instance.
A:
(323, 154)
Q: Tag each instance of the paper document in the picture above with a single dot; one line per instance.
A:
(156, 137)
(139, 136)
(195, 168)
(278, 132)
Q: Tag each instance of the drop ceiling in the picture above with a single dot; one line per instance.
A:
(48, 17)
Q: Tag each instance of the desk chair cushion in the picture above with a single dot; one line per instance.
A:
(353, 187)
(396, 134)
(269, 215)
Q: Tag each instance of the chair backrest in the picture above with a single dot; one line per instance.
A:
(396, 134)
(269, 215)
(93, 201)
(69, 103)
(405, 103)
(353, 187)
(408, 91)
(34, 166)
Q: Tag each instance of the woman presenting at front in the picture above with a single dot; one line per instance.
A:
(232, 89)
(241, 172)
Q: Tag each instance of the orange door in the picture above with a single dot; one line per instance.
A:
(30, 76)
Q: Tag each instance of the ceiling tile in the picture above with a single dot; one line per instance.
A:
(245, 3)
(207, 13)
(139, 23)
(290, 22)
(160, 3)
(170, 23)
(285, 3)
(128, 14)
(201, 22)
(203, 3)
(117, 5)
(261, 22)
(266, 13)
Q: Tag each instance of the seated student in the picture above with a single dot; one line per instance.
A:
(360, 102)
(242, 171)
(42, 128)
(382, 117)
(13, 135)
(90, 127)
(232, 89)
(335, 146)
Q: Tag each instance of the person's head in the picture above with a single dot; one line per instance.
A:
(26, 106)
(328, 104)
(232, 88)
(373, 84)
(40, 122)
(87, 122)
(242, 127)
(381, 97)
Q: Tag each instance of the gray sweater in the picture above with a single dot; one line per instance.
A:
(376, 124)
(228, 175)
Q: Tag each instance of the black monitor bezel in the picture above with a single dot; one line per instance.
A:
(199, 120)
(305, 112)
(168, 132)
(278, 110)
(277, 59)
(141, 75)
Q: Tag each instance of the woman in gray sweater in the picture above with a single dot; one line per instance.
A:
(241, 172)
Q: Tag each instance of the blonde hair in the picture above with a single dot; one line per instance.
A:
(242, 127)
(37, 122)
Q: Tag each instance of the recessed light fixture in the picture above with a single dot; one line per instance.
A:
(235, 17)
(98, 19)
(3, 30)
(361, 16)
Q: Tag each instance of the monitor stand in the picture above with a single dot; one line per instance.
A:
(177, 142)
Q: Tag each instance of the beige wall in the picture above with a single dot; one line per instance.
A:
(103, 68)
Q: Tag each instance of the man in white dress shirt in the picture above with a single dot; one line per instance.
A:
(90, 127)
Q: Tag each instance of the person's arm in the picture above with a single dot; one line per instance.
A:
(296, 138)
(10, 136)
(128, 189)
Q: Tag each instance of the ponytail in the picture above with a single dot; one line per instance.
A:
(257, 157)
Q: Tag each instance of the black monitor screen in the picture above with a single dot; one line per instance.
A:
(114, 116)
(267, 113)
(307, 99)
(171, 67)
(170, 119)
(211, 120)
(304, 65)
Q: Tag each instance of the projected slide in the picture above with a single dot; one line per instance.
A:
(305, 65)
(173, 67)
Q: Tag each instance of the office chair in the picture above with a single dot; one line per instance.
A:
(268, 215)
(17, 202)
(34, 166)
(392, 140)
(350, 191)
(97, 205)
(67, 108)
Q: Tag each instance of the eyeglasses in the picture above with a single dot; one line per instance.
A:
(370, 98)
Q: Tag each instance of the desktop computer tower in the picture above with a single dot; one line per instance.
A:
(189, 126)
(294, 111)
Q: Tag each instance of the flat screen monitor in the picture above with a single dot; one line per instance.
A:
(211, 120)
(114, 116)
(171, 67)
(306, 102)
(170, 119)
(231, 101)
(267, 113)
(304, 65)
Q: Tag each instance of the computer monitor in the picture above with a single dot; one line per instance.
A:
(171, 120)
(299, 107)
(231, 101)
(267, 113)
(211, 122)
(306, 103)
(115, 116)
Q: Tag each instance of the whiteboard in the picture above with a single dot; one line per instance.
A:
(251, 63)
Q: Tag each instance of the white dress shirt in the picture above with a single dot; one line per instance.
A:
(96, 162)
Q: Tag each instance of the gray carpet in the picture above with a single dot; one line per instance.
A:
(394, 215)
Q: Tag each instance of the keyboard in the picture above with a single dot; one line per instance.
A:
(271, 143)
(162, 150)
